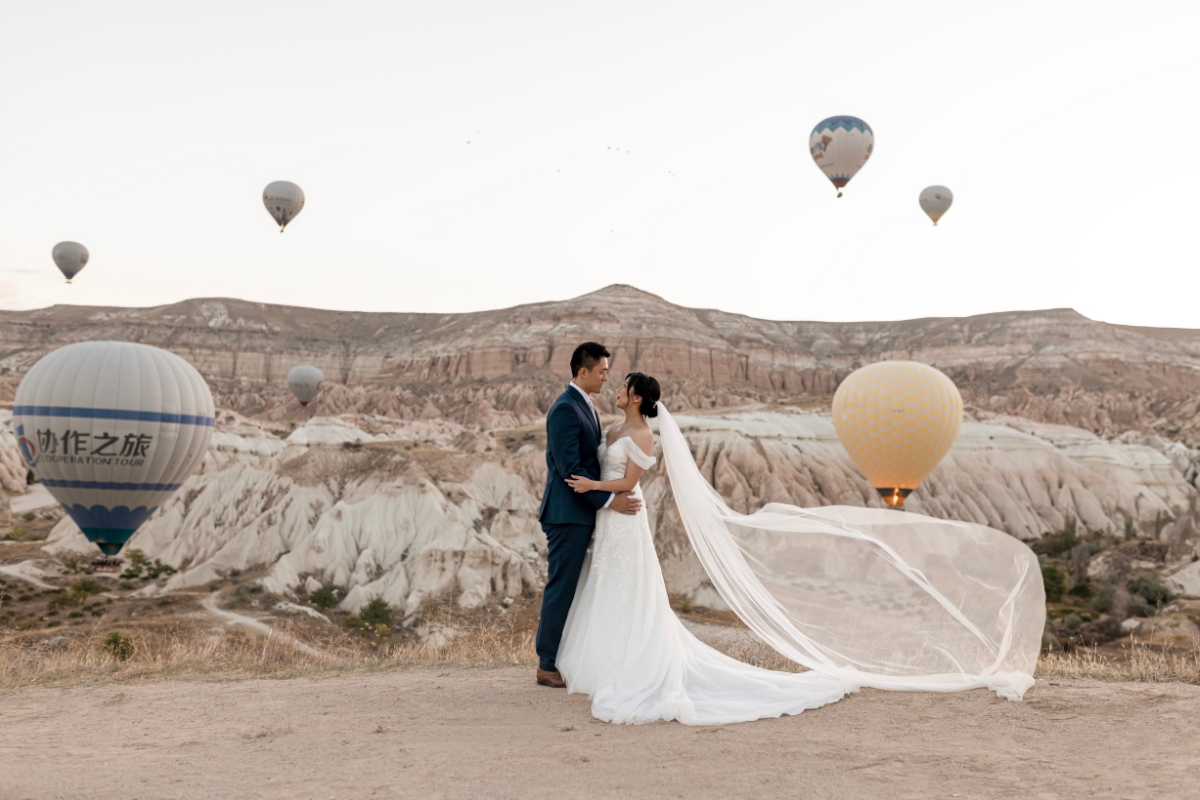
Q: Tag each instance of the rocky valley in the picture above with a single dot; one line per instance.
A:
(416, 474)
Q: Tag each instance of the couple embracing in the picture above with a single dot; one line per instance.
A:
(858, 596)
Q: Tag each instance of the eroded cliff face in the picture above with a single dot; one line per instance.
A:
(410, 510)
(503, 368)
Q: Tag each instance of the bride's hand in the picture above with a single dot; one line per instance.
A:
(581, 485)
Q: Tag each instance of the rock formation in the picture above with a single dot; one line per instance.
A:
(417, 471)
(412, 512)
(502, 368)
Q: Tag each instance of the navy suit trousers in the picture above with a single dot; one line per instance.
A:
(567, 545)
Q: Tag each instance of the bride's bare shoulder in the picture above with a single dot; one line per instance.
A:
(644, 439)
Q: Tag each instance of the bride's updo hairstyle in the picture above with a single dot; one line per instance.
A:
(646, 388)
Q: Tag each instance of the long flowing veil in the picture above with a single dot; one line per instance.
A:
(876, 597)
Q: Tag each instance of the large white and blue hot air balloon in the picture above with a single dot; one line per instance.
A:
(112, 429)
(840, 146)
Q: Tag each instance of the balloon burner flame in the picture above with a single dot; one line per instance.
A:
(893, 497)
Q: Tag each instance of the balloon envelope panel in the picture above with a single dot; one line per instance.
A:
(70, 258)
(935, 201)
(897, 420)
(840, 146)
(305, 382)
(112, 429)
(283, 200)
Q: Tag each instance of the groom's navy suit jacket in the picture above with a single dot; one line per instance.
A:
(572, 439)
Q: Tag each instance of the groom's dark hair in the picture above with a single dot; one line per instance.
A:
(586, 356)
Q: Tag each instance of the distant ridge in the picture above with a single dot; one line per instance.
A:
(1051, 365)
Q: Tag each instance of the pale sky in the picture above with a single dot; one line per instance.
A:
(465, 156)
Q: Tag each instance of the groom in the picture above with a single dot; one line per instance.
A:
(572, 438)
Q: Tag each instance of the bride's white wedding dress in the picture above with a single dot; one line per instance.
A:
(624, 647)
(859, 596)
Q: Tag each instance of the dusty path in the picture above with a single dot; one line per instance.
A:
(494, 734)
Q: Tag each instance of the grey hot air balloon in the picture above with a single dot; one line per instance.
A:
(112, 430)
(70, 258)
(305, 382)
(284, 200)
(935, 201)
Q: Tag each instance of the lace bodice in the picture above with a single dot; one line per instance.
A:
(614, 458)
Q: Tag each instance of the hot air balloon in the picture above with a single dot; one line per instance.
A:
(897, 419)
(284, 200)
(112, 429)
(70, 258)
(935, 201)
(305, 382)
(840, 146)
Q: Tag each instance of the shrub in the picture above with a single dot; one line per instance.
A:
(1149, 590)
(323, 598)
(158, 568)
(29, 516)
(18, 533)
(1082, 589)
(376, 612)
(136, 557)
(1053, 544)
(1055, 581)
(73, 567)
(86, 586)
(375, 616)
(1072, 621)
(1102, 600)
(241, 596)
(118, 644)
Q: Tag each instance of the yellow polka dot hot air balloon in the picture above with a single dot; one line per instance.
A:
(897, 419)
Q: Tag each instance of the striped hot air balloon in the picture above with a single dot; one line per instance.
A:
(112, 429)
(840, 146)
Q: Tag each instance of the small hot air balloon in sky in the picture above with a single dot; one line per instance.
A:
(935, 201)
(840, 146)
(284, 200)
(70, 258)
(305, 382)
(112, 429)
(897, 419)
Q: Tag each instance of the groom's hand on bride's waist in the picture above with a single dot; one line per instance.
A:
(625, 503)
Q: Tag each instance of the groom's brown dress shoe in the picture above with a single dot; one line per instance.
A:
(552, 679)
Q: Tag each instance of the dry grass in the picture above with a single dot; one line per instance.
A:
(1134, 661)
(190, 654)
(182, 651)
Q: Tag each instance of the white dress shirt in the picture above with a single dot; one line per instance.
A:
(592, 406)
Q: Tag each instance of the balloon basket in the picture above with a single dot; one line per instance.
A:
(893, 498)
(107, 564)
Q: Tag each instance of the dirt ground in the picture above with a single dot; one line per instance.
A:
(495, 734)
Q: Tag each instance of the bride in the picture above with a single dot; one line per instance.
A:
(860, 597)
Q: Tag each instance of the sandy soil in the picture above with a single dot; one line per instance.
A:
(495, 734)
